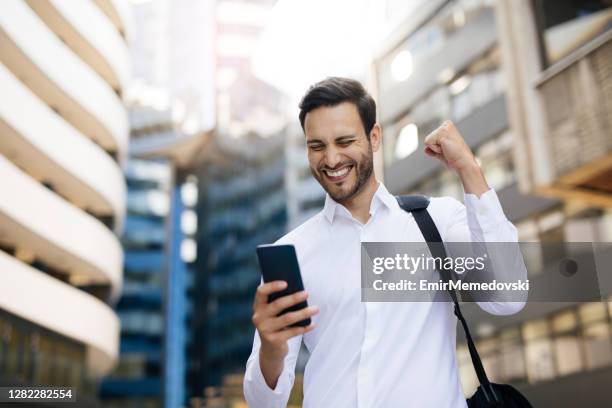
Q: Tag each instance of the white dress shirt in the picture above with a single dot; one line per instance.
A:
(383, 354)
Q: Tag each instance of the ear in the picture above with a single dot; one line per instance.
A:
(375, 137)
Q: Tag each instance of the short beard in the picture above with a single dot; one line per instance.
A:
(364, 169)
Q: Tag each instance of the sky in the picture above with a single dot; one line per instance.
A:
(306, 41)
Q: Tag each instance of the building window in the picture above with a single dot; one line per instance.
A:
(511, 355)
(596, 334)
(538, 350)
(566, 25)
(567, 345)
(569, 341)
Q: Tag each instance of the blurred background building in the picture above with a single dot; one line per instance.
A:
(150, 261)
(64, 134)
(527, 83)
(243, 196)
(173, 61)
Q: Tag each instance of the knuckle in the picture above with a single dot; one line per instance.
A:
(286, 318)
(279, 304)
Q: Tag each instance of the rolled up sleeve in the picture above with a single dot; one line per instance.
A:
(256, 391)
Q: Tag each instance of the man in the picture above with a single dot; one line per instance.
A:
(367, 355)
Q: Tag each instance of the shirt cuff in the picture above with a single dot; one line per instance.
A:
(256, 378)
(485, 211)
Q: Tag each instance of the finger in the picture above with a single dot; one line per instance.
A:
(438, 156)
(265, 290)
(284, 302)
(435, 148)
(431, 138)
(448, 124)
(431, 152)
(296, 331)
(279, 323)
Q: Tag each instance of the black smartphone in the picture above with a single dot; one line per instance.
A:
(279, 262)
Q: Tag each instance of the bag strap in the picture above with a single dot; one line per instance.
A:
(417, 206)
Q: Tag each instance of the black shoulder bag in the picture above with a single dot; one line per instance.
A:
(488, 394)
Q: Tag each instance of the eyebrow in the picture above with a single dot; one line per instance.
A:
(338, 139)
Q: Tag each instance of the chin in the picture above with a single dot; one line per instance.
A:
(341, 194)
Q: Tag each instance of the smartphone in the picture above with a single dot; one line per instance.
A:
(279, 262)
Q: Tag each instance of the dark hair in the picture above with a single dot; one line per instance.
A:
(333, 91)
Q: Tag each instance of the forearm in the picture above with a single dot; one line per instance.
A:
(473, 180)
(271, 366)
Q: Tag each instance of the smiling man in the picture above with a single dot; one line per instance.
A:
(367, 355)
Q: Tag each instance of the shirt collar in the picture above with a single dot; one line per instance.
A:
(382, 197)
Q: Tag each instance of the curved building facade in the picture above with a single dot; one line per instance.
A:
(63, 140)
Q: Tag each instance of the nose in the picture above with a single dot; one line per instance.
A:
(332, 157)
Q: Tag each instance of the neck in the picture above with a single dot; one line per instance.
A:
(359, 205)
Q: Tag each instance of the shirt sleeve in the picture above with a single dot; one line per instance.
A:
(482, 219)
(256, 391)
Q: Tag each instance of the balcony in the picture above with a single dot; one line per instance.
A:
(76, 167)
(118, 11)
(90, 34)
(47, 302)
(36, 220)
(60, 78)
(576, 95)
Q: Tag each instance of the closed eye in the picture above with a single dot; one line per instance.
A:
(316, 147)
(345, 143)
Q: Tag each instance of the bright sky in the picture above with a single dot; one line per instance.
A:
(306, 41)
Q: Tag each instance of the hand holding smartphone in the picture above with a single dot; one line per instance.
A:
(279, 263)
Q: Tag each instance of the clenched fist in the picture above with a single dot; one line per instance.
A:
(447, 145)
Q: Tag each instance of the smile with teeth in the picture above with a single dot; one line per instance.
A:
(338, 173)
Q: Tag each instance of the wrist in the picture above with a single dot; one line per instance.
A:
(272, 354)
(473, 179)
(470, 169)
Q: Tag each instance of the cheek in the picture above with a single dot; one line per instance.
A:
(358, 153)
(314, 159)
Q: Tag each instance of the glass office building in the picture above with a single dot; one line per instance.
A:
(137, 380)
(242, 202)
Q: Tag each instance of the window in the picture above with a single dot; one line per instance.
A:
(567, 343)
(538, 350)
(489, 354)
(566, 25)
(511, 355)
(495, 157)
(596, 334)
